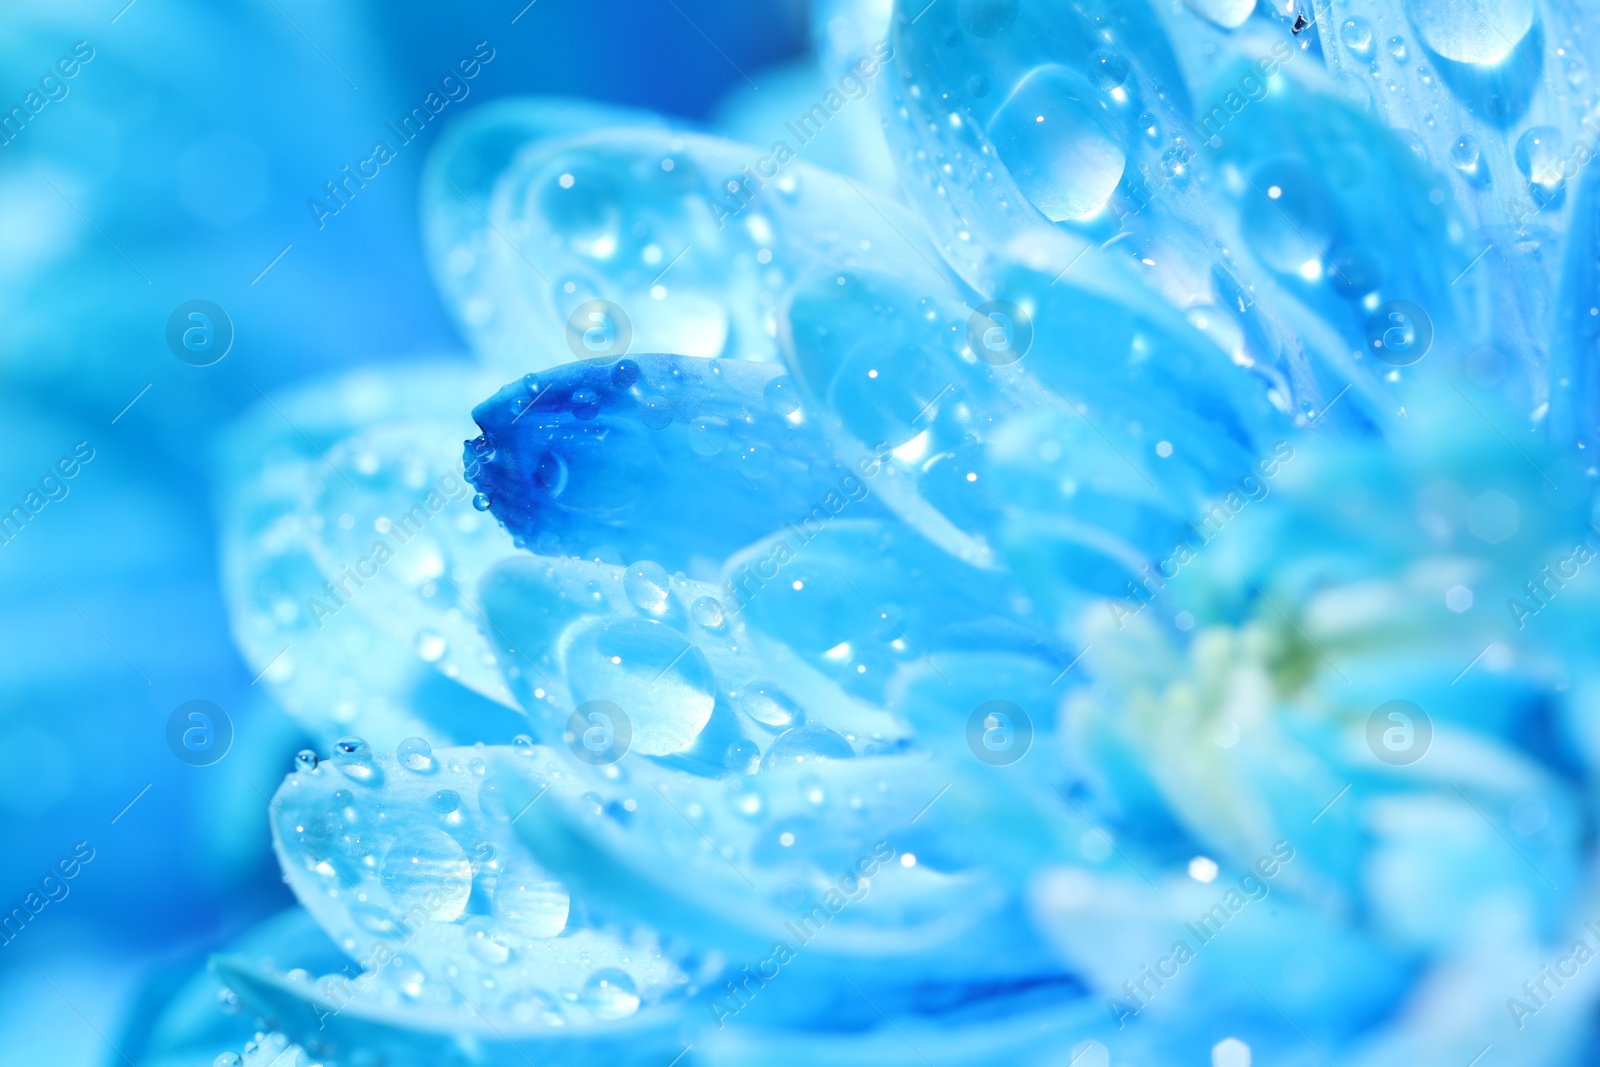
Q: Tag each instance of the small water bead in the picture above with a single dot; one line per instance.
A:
(528, 902)
(535, 1006)
(305, 760)
(481, 501)
(742, 757)
(782, 397)
(610, 993)
(707, 612)
(768, 705)
(585, 403)
(1464, 154)
(1397, 49)
(522, 745)
(415, 754)
(227, 1059)
(648, 587)
(1107, 70)
(1538, 157)
(445, 801)
(1356, 33)
(227, 1000)
(428, 868)
(485, 942)
(353, 757)
(708, 435)
(624, 373)
(806, 745)
(430, 646)
(656, 412)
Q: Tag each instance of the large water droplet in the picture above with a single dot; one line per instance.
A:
(1472, 31)
(650, 670)
(1107, 69)
(1356, 33)
(1287, 218)
(427, 868)
(525, 900)
(1225, 13)
(768, 705)
(611, 994)
(707, 611)
(1053, 138)
(805, 745)
(415, 754)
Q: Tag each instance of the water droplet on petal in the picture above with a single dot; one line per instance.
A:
(1053, 139)
(611, 994)
(353, 757)
(1228, 14)
(742, 757)
(655, 674)
(415, 754)
(707, 612)
(1472, 31)
(768, 705)
(804, 745)
(1107, 69)
(1356, 33)
(305, 760)
(485, 942)
(427, 868)
(648, 587)
(526, 901)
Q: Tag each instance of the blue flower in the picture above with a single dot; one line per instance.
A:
(1124, 598)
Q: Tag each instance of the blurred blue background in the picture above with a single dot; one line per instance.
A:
(178, 166)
